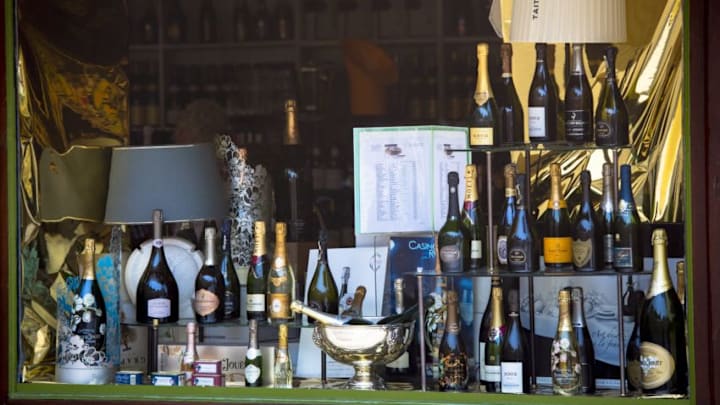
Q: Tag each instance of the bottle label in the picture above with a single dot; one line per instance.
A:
(279, 306)
(450, 256)
(481, 136)
(252, 373)
(482, 362)
(564, 368)
(603, 131)
(512, 377)
(502, 249)
(493, 373)
(657, 365)
(476, 249)
(206, 302)
(229, 303)
(577, 124)
(609, 247)
(256, 302)
(536, 122)
(402, 362)
(622, 256)
(517, 257)
(158, 308)
(582, 251)
(557, 250)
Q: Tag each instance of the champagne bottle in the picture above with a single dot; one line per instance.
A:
(253, 358)
(587, 242)
(513, 367)
(557, 240)
(626, 248)
(607, 216)
(523, 244)
(89, 305)
(355, 309)
(578, 101)
(451, 237)
(484, 118)
(280, 281)
(586, 352)
(209, 300)
(325, 318)
(512, 122)
(227, 268)
(322, 293)
(663, 357)
(256, 281)
(565, 368)
(494, 341)
(190, 355)
(632, 354)
(157, 291)
(542, 101)
(473, 245)
(454, 373)
(345, 296)
(485, 324)
(283, 363)
(401, 365)
(508, 216)
(611, 117)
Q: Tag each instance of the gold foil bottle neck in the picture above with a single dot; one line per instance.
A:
(282, 336)
(661, 281)
(87, 259)
(659, 236)
(555, 179)
(482, 49)
(510, 171)
(259, 248)
(564, 323)
(280, 250)
(471, 193)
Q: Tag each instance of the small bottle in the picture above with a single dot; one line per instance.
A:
(557, 239)
(227, 268)
(322, 293)
(256, 282)
(190, 355)
(473, 245)
(514, 369)
(494, 341)
(209, 299)
(508, 216)
(484, 117)
(451, 237)
(586, 352)
(626, 248)
(542, 101)
(587, 241)
(578, 101)
(523, 244)
(89, 305)
(283, 364)
(280, 281)
(606, 212)
(454, 371)
(485, 324)
(253, 358)
(512, 122)
(611, 117)
(565, 365)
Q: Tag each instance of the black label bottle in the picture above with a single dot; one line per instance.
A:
(451, 237)
(587, 241)
(253, 358)
(484, 118)
(494, 341)
(564, 362)
(523, 244)
(606, 212)
(663, 356)
(632, 354)
(89, 313)
(611, 117)
(514, 368)
(280, 280)
(473, 245)
(454, 371)
(257, 275)
(626, 248)
(512, 121)
(542, 101)
(508, 216)
(557, 239)
(227, 268)
(157, 291)
(209, 299)
(578, 101)
(323, 292)
(586, 352)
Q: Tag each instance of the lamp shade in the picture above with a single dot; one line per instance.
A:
(182, 180)
(563, 21)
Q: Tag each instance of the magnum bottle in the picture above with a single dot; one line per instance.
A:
(513, 367)
(209, 299)
(190, 355)
(256, 280)
(578, 101)
(89, 305)
(325, 318)
(451, 237)
(632, 353)
(253, 359)
(157, 291)
(494, 341)
(280, 281)
(565, 368)
(663, 358)
(542, 101)
(323, 292)
(508, 216)
(611, 117)
(512, 122)
(587, 240)
(227, 268)
(586, 352)
(523, 244)
(557, 239)
(626, 248)
(454, 372)
(606, 212)
(283, 363)
(485, 325)
(473, 245)
(484, 118)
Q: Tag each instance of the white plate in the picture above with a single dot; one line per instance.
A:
(184, 262)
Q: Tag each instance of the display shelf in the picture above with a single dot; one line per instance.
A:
(537, 274)
(224, 324)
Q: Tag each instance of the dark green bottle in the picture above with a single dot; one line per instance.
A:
(587, 241)
(454, 371)
(508, 216)
(611, 117)
(512, 122)
(557, 239)
(494, 341)
(586, 351)
(473, 244)
(578, 101)
(514, 367)
(257, 275)
(626, 248)
(484, 128)
(451, 237)
(523, 243)
(542, 101)
(323, 292)
(232, 284)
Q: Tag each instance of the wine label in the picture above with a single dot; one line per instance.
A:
(536, 122)
(450, 256)
(657, 365)
(577, 124)
(230, 303)
(481, 136)
(517, 257)
(502, 249)
(634, 374)
(158, 308)
(252, 374)
(603, 132)
(493, 373)
(453, 371)
(511, 380)
(609, 247)
(582, 252)
(252, 353)
(557, 250)
(256, 302)
(402, 362)
(622, 256)
(279, 306)
(476, 249)
(206, 302)
(564, 367)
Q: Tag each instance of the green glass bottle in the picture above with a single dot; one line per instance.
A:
(323, 292)
(557, 239)
(257, 275)
(494, 341)
(626, 248)
(454, 372)
(473, 245)
(451, 237)
(484, 118)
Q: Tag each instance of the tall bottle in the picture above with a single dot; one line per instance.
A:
(626, 248)
(565, 368)
(345, 296)
(328, 319)
(523, 244)
(451, 237)
(586, 352)
(578, 101)
(514, 368)
(632, 353)
(484, 117)
(512, 121)
(401, 365)
(322, 293)
(253, 358)
(508, 216)
(611, 117)
(587, 240)
(91, 313)
(283, 363)
(542, 101)
(157, 291)
(280, 280)
(473, 245)
(209, 299)
(485, 324)
(227, 268)
(663, 356)
(454, 372)
(257, 276)
(557, 239)
(606, 212)
(190, 355)
(494, 341)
